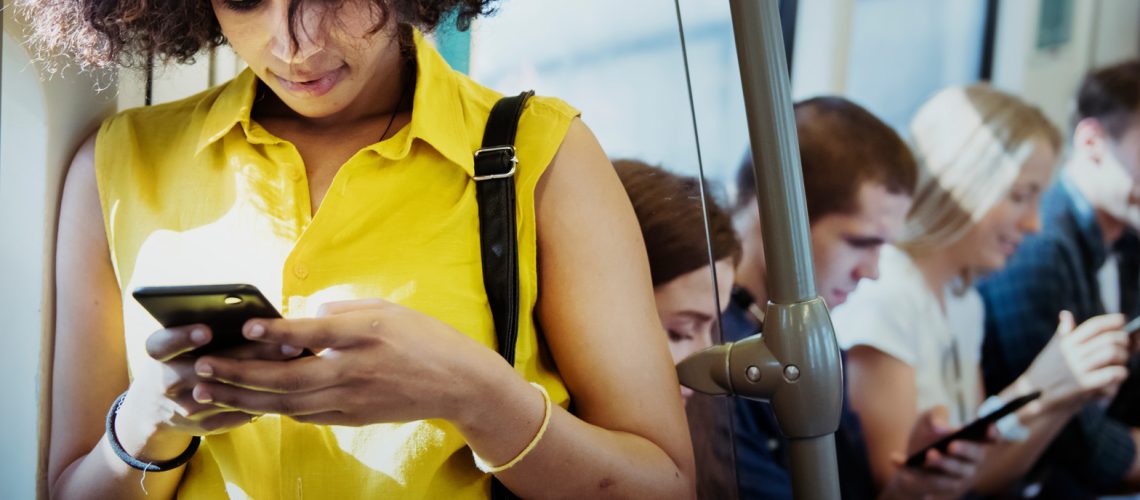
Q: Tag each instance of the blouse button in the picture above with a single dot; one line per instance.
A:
(300, 271)
(295, 173)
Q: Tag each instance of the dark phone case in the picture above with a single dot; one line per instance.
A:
(974, 431)
(207, 304)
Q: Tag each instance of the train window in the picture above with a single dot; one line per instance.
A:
(903, 51)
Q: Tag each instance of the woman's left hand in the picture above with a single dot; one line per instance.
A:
(376, 362)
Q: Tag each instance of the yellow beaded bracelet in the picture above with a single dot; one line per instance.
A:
(488, 468)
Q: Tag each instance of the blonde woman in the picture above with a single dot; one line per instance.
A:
(914, 336)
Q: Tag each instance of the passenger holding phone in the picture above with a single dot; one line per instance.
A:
(1087, 261)
(914, 336)
(336, 175)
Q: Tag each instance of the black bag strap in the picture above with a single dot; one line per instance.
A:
(495, 164)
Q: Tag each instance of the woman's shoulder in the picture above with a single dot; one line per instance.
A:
(478, 100)
(196, 103)
(899, 287)
(542, 126)
(885, 313)
(154, 138)
(552, 107)
(162, 122)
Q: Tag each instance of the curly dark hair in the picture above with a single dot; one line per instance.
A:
(102, 33)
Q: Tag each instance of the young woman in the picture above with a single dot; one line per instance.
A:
(673, 219)
(335, 174)
(914, 336)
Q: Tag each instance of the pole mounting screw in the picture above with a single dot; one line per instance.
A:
(792, 373)
(753, 373)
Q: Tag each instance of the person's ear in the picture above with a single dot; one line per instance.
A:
(1089, 138)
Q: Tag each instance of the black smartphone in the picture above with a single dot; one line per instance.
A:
(974, 431)
(224, 308)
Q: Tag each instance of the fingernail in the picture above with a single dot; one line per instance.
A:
(256, 331)
(203, 369)
(199, 336)
(289, 350)
(202, 396)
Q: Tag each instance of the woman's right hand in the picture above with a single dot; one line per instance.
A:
(159, 415)
(1080, 363)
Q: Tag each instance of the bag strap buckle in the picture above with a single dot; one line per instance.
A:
(513, 158)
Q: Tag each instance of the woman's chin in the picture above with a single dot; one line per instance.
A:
(992, 264)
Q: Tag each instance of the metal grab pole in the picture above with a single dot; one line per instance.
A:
(775, 150)
(796, 362)
(799, 329)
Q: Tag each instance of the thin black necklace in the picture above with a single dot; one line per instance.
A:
(399, 102)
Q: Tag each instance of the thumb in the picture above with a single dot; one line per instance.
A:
(938, 419)
(1066, 323)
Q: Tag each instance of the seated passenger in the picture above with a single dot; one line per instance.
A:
(672, 219)
(914, 335)
(672, 216)
(1090, 216)
(859, 177)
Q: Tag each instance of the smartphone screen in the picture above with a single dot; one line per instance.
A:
(224, 308)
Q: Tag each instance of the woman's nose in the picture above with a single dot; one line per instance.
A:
(295, 41)
(1030, 222)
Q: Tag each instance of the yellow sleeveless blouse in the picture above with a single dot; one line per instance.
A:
(196, 192)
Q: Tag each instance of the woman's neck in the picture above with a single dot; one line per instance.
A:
(938, 268)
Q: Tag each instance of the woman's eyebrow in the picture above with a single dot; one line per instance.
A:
(696, 315)
(865, 241)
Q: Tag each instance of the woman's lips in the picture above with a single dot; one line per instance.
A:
(1009, 246)
(314, 87)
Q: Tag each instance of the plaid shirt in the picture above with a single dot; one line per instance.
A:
(1052, 271)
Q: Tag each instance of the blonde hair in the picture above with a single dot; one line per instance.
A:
(971, 143)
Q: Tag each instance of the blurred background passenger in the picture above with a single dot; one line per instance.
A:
(914, 336)
(859, 179)
(671, 212)
(1086, 260)
(672, 217)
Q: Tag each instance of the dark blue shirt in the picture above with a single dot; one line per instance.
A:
(761, 449)
(1052, 271)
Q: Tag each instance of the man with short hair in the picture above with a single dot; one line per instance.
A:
(1085, 260)
(859, 179)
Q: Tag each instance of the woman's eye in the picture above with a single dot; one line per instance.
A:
(675, 336)
(241, 5)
